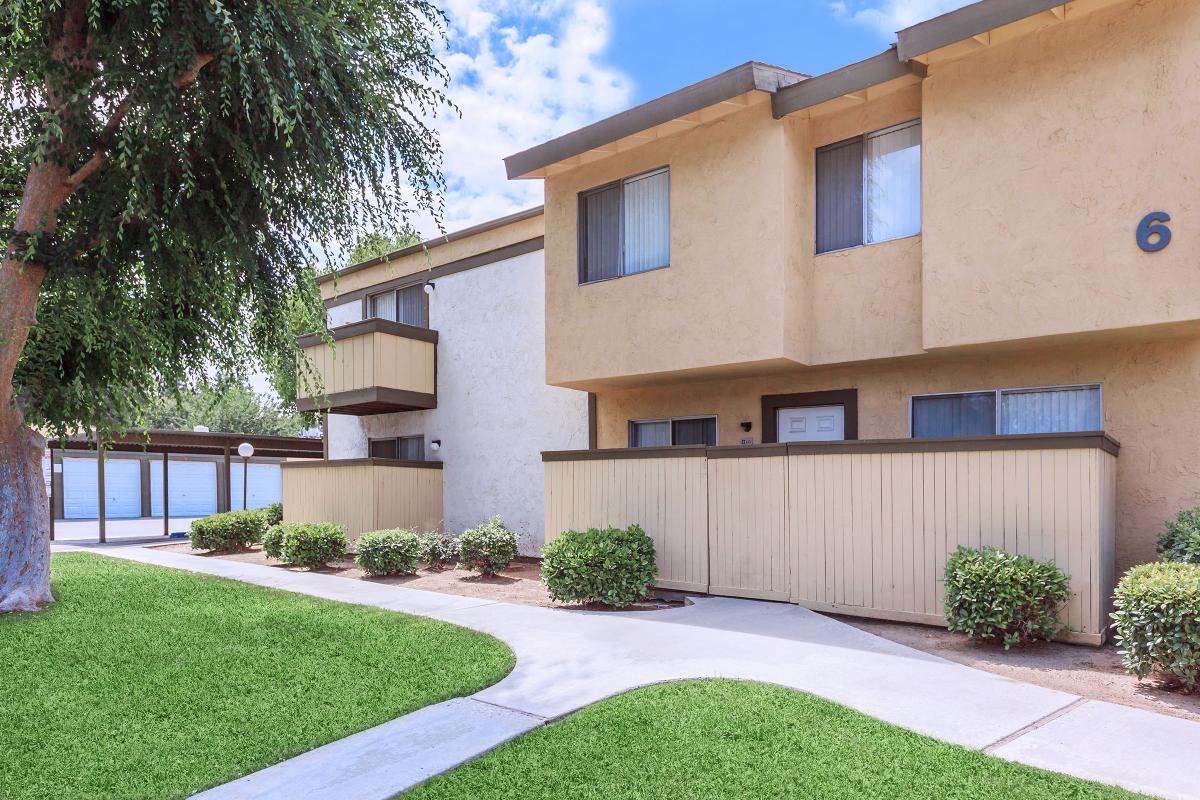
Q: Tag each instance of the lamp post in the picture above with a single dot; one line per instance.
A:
(245, 450)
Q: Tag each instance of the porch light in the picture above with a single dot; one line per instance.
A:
(435, 445)
(429, 287)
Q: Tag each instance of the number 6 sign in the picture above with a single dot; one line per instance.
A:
(1152, 234)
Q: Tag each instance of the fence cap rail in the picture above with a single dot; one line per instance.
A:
(362, 462)
(1026, 441)
(368, 326)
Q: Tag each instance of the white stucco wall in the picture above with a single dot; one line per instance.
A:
(495, 412)
(344, 313)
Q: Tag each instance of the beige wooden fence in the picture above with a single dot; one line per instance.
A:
(364, 494)
(861, 528)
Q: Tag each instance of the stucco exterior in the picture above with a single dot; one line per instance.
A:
(495, 413)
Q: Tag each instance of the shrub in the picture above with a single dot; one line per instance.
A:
(991, 594)
(611, 566)
(437, 549)
(231, 530)
(272, 513)
(488, 548)
(312, 544)
(272, 541)
(391, 552)
(1158, 622)
(1181, 540)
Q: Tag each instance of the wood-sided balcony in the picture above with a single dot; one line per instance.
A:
(373, 367)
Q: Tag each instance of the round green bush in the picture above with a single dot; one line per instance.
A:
(390, 552)
(1181, 540)
(488, 548)
(610, 565)
(231, 531)
(437, 549)
(273, 514)
(312, 544)
(272, 541)
(1157, 621)
(991, 594)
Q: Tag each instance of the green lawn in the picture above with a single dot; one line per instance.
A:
(143, 682)
(729, 740)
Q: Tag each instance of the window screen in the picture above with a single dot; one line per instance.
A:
(625, 227)
(410, 305)
(650, 434)
(412, 448)
(1074, 408)
(383, 306)
(673, 432)
(954, 415)
(869, 188)
(694, 431)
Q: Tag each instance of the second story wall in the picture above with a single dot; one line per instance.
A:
(1041, 156)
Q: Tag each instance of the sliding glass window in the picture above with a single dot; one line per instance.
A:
(1047, 409)
(405, 305)
(869, 188)
(625, 227)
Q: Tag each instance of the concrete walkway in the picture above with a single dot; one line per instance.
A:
(569, 659)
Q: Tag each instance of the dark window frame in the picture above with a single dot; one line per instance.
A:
(846, 398)
(366, 301)
(582, 230)
(861, 139)
(999, 394)
(630, 427)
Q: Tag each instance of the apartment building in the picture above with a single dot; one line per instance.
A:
(434, 388)
(939, 285)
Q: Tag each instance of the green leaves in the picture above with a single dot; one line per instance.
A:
(1157, 621)
(487, 548)
(991, 594)
(1181, 540)
(390, 552)
(186, 257)
(613, 566)
(305, 544)
(230, 531)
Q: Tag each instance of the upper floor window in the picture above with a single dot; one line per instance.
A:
(1051, 409)
(673, 431)
(405, 305)
(625, 227)
(869, 188)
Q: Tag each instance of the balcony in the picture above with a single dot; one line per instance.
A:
(374, 367)
(860, 527)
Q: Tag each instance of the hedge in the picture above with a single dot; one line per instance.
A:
(991, 594)
(1157, 622)
(230, 530)
(388, 552)
(487, 548)
(613, 566)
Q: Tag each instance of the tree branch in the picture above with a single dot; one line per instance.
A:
(184, 80)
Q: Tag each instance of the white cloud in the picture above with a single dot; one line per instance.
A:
(888, 16)
(521, 73)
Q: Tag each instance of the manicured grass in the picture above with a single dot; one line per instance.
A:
(143, 682)
(728, 740)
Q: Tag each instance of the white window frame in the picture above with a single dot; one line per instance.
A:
(714, 417)
(1001, 392)
(921, 210)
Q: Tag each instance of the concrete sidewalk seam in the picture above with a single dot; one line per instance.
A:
(502, 707)
(1033, 726)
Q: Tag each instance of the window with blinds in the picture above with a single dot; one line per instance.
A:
(673, 432)
(405, 305)
(625, 227)
(407, 448)
(869, 188)
(1050, 409)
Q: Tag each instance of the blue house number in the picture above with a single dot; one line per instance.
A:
(1152, 234)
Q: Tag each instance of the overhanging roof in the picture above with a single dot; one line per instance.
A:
(973, 20)
(751, 76)
(841, 82)
(199, 443)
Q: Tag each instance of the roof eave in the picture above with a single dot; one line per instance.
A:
(877, 69)
(968, 21)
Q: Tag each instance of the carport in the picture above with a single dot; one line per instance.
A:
(168, 443)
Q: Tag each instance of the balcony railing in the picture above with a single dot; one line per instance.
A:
(858, 527)
(374, 367)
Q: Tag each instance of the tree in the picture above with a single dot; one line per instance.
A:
(235, 409)
(374, 245)
(181, 164)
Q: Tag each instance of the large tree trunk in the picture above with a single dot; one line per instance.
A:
(24, 515)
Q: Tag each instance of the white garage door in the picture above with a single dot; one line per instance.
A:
(193, 488)
(122, 488)
(266, 485)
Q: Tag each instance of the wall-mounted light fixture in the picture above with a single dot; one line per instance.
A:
(435, 445)
(746, 426)
(429, 287)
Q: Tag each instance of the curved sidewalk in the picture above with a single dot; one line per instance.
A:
(569, 659)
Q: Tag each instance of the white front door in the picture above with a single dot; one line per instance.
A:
(811, 424)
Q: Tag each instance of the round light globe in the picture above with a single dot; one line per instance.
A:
(245, 449)
(429, 287)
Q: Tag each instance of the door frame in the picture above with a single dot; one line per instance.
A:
(846, 398)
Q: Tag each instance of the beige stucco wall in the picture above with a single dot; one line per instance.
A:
(1149, 392)
(1040, 157)
(436, 255)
